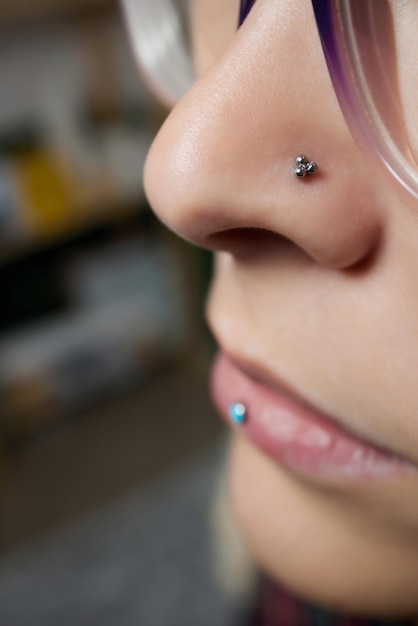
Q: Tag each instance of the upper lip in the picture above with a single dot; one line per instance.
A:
(259, 373)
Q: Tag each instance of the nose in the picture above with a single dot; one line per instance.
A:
(221, 171)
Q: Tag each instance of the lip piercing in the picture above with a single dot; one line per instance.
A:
(238, 412)
(303, 166)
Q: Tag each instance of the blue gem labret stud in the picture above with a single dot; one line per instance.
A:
(237, 412)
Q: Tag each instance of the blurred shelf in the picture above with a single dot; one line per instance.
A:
(14, 12)
(122, 445)
(99, 211)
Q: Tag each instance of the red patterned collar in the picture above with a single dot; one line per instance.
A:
(277, 607)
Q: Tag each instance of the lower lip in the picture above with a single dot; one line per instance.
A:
(296, 436)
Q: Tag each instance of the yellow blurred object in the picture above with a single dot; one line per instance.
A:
(46, 194)
(30, 407)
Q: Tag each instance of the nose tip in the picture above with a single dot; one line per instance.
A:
(221, 173)
(244, 199)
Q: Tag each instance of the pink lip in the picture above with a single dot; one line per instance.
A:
(295, 435)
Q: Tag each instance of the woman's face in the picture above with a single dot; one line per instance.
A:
(315, 291)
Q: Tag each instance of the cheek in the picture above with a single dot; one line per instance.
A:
(405, 19)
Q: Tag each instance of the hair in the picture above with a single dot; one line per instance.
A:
(158, 30)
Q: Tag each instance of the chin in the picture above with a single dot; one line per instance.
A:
(316, 542)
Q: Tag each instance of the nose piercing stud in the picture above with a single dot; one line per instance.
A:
(303, 166)
(237, 412)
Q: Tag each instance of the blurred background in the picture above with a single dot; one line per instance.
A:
(110, 451)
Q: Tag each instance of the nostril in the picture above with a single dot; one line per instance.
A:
(249, 243)
(246, 241)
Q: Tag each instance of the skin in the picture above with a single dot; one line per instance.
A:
(315, 281)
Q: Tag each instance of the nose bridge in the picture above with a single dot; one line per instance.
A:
(225, 157)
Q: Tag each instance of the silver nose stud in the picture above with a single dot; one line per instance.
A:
(303, 166)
